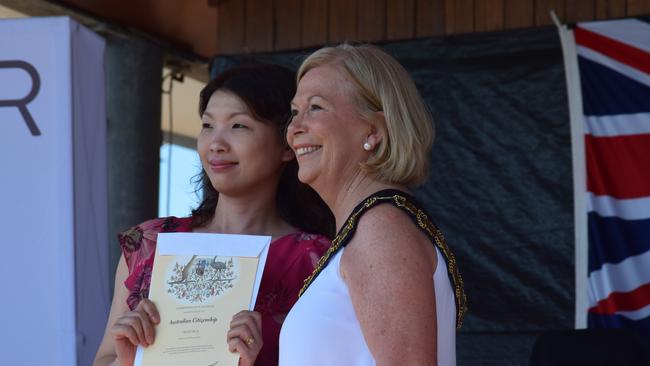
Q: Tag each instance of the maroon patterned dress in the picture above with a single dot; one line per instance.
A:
(290, 260)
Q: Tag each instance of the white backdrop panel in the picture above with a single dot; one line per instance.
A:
(37, 277)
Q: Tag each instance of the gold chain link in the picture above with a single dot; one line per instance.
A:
(424, 223)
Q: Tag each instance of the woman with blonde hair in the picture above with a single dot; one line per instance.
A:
(388, 291)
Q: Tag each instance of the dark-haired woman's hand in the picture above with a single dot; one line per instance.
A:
(134, 328)
(245, 336)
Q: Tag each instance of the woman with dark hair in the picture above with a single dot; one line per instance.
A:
(250, 186)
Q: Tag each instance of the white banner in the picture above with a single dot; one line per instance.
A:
(53, 192)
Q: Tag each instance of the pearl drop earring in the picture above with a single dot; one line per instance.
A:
(367, 146)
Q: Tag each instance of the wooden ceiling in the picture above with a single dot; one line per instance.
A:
(211, 27)
(190, 25)
(206, 28)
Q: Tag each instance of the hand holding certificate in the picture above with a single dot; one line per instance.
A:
(199, 282)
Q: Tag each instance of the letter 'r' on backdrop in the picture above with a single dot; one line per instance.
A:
(55, 293)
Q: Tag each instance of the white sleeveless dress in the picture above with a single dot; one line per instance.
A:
(322, 328)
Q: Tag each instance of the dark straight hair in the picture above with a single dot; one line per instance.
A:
(267, 91)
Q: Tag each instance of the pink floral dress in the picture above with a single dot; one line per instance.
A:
(290, 260)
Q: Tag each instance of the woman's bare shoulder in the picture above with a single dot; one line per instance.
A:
(389, 226)
(387, 236)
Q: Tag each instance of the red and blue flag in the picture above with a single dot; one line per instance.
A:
(614, 66)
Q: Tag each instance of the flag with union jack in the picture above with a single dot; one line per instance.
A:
(613, 59)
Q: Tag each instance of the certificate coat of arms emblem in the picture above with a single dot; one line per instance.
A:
(201, 278)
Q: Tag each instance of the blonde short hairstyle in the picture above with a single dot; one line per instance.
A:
(382, 84)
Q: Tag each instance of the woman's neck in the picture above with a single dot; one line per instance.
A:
(254, 214)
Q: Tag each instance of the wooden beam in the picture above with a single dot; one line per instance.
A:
(371, 20)
(579, 10)
(314, 22)
(258, 35)
(230, 27)
(342, 21)
(519, 13)
(288, 24)
(400, 19)
(459, 16)
(429, 18)
(606, 9)
(488, 15)
(638, 7)
(543, 8)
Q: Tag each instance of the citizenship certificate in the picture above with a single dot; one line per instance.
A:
(199, 281)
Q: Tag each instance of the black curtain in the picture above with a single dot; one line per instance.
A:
(500, 186)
